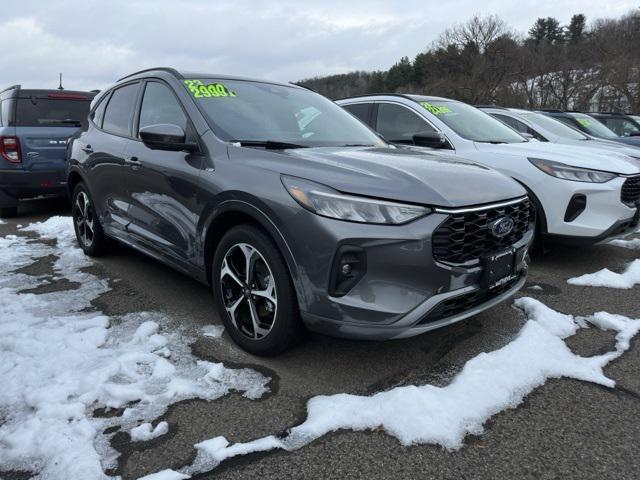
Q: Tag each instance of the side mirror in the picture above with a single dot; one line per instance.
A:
(165, 136)
(430, 139)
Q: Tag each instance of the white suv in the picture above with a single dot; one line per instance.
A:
(548, 129)
(582, 195)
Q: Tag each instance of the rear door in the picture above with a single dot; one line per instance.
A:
(43, 123)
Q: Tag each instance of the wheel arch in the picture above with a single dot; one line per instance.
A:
(231, 213)
(541, 218)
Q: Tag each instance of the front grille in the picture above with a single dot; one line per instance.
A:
(468, 236)
(631, 191)
(456, 305)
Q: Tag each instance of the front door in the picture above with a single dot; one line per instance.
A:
(162, 185)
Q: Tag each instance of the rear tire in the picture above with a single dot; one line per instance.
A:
(8, 212)
(254, 293)
(89, 233)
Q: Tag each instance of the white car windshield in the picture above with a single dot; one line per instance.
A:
(471, 123)
(552, 125)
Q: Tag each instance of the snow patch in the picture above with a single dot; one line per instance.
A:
(633, 244)
(145, 432)
(607, 278)
(165, 475)
(213, 331)
(60, 360)
(488, 384)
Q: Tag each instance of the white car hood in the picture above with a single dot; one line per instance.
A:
(576, 156)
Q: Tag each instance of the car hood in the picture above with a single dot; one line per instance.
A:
(574, 155)
(393, 174)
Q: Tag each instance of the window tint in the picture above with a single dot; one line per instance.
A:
(117, 116)
(399, 124)
(98, 112)
(39, 112)
(360, 110)
(159, 105)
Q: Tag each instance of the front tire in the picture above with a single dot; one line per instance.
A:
(253, 292)
(89, 233)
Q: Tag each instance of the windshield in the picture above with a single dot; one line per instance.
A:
(41, 112)
(239, 110)
(593, 126)
(623, 127)
(552, 125)
(471, 123)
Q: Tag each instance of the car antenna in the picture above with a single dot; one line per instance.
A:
(60, 87)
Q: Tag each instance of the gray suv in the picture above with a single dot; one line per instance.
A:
(292, 210)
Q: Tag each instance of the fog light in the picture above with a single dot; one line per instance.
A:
(349, 266)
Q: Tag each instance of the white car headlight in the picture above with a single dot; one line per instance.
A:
(575, 174)
(328, 202)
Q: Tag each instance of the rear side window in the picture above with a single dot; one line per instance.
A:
(362, 111)
(119, 111)
(399, 124)
(6, 106)
(98, 112)
(159, 105)
(51, 112)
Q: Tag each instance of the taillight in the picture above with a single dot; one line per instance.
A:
(10, 149)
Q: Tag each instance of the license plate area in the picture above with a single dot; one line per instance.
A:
(499, 269)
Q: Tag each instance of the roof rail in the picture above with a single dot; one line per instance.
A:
(401, 95)
(12, 87)
(491, 106)
(172, 71)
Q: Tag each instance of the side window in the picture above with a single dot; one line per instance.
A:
(399, 124)
(362, 111)
(119, 111)
(519, 126)
(98, 112)
(159, 105)
(5, 112)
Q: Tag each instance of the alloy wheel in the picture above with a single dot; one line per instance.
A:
(249, 291)
(84, 219)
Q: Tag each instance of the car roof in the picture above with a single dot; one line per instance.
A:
(412, 97)
(181, 75)
(18, 91)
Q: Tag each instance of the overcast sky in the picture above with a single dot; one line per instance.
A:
(95, 42)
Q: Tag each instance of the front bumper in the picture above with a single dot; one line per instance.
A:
(16, 184)
(604, 217)
(403, 287)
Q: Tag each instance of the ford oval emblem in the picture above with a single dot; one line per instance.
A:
(502, 227)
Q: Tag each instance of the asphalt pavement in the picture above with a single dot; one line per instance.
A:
(565, 429)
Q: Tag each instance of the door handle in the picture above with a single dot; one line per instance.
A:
(87, 149)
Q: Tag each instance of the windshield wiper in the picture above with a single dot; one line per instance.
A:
(358, 145)
(493, 142)
(268, 144)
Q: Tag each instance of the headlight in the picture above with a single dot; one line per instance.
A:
(327, 202)
(567, 172)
